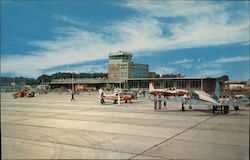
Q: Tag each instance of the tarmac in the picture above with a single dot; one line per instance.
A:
(54, 127)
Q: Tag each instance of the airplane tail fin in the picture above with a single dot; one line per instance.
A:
(217, 88)
(151, 87)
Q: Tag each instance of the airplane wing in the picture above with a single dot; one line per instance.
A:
(201, 97)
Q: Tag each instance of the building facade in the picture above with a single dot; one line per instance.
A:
(121, 67)
(124, 73)
(189, 83)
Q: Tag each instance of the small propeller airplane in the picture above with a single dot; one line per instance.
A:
(114, 97)
(202, 98)
(24, 93)
(199, 97)
(167, 92)
(196, 97)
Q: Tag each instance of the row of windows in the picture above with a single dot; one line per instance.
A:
(120, 57)
(183, 84)
(139, 67)
(114, 67)
(138, 75)
(138, 72)
(132, 67)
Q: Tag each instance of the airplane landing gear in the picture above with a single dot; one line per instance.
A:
(183, 108)
(190, 107)
(102, 101)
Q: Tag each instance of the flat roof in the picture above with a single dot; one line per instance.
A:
(176, 78)
(121, 53)
(105, 80)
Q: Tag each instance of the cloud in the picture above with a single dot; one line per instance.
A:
(68, 20)
(186, 63)
(213, 73)
(232, 59)
(76, 47)
(79, 69)
(183, 61)
(164, 70)
(173, 8)
(220, 61)
(205, 24)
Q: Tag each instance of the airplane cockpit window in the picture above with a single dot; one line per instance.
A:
(194, 95)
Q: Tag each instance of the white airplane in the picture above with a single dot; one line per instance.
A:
(114, 97)
(186, 97)
(242, 98)
(199, 97)
(168, 94)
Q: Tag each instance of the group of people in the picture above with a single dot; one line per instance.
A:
(225, 100)
(142, 92)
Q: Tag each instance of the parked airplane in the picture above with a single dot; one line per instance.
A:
(186, 97)
(114, 97)
(168, 94)
(127, 92)
(242, 98)
(26, 92)
(202, 98)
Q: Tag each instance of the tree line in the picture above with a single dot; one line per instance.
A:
(47, 78)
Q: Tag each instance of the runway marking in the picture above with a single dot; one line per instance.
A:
(174, 136)
(95, 147)
(82, 130)
(32, 117)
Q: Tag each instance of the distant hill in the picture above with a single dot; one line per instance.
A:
(17, 80)
(47, 78)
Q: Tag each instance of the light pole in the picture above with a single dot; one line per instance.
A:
(72, 82)
(120, 75)
(201, 75)
(71, 78)
(13, 84)
(78, 85)
(42, 78)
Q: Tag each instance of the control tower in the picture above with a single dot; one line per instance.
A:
(120, 57)
(121, 67)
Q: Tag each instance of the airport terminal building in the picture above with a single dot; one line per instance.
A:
(124, 73)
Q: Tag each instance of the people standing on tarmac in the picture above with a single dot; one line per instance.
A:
(222, 102)
(235, 103)
(182, 104)
(143, 92)
(72, 96)
(140, 92)
(227, 99)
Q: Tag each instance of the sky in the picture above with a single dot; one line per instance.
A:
(194, 38)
